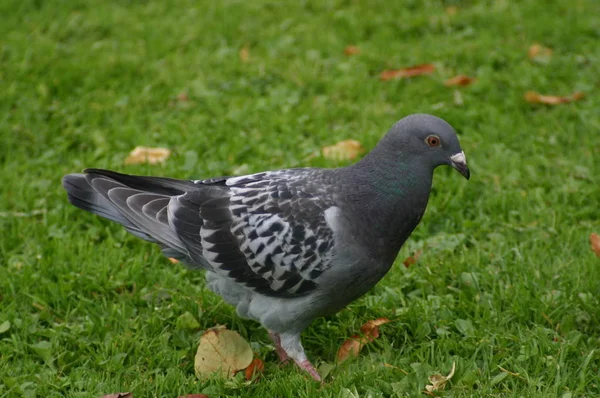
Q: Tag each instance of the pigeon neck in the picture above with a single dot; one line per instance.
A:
(393, 194)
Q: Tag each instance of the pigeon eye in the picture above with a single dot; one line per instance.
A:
(433, 140)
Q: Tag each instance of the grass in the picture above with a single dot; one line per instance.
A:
(507, 287)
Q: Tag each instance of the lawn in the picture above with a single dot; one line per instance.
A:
(507, 287)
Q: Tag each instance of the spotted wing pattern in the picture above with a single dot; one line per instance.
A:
(278, 218)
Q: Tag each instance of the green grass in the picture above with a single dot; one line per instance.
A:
(506, 281)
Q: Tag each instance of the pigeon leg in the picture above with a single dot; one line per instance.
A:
(283, 357)
(290, 342)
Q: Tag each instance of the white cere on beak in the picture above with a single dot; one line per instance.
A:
(459, 158)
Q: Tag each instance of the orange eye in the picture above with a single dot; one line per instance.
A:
(433, 140)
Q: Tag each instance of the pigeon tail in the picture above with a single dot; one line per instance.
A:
(140, 204)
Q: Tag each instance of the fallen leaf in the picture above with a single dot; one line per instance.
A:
(369, 332)
(173, 260)
(4, 326)
(539, 53)
(194, 396)
(459, 80)
(438, 382)
(595, 242)
(182, 97)
(119, 395)
(351, 50)
(343, 150)
(245, 54)
(142, 154)
(410, 260)
(221, 350)
(451, 10)
(255, 368)
(187, 321)
(417, 70)
(536, 98)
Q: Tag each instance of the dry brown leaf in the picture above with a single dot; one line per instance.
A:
(173, 260)
(540, 53)
(244, 54)
(221, 350)
(410, 260)
(142, 154)
(417, 70)
(351, 50)
(352, 346)
(183, 97)
(451, 10)
(119, 395)
(536, 98)
(194, 396)
(343, 150)
(438, 382)
(595, 242)
(255, 368)
(459, 80)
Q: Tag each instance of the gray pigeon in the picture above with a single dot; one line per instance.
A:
(286, 246)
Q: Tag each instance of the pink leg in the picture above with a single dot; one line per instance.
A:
(283, 357)
(306, 365)
(290, 344)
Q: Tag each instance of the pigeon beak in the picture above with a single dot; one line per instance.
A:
(459, 162)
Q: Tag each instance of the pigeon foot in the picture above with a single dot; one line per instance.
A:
(290, 343)
(306, 365)
(283, 357)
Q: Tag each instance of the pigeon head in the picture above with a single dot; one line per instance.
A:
(427, 139)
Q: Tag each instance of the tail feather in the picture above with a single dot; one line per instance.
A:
(144, 214)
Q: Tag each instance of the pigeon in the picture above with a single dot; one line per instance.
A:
(287, 246)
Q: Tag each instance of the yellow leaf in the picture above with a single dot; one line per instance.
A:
(438, 382)
(459, 80)
(417, 70)
(536, 98)
(221, 351)
(244, 54)
(539, 53)
(595, 242)
(343, 150)
(142, 154)
(351, 50)
(352, 346)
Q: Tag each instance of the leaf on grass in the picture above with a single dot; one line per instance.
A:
(417, 70)
(438, 382)
(451, 10)
(142, 154)
(245, 54)
(324, 369)
(539, 53)
(44, 350)
(4, 326)
(459, 80)
(498, 378)
(351, 50)
(536, 98)
(343, 150)
(369, 332)
(223, 351)
(119, 395)
(410, 260)
(255, 368)
(595, 242)
(187, 321)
